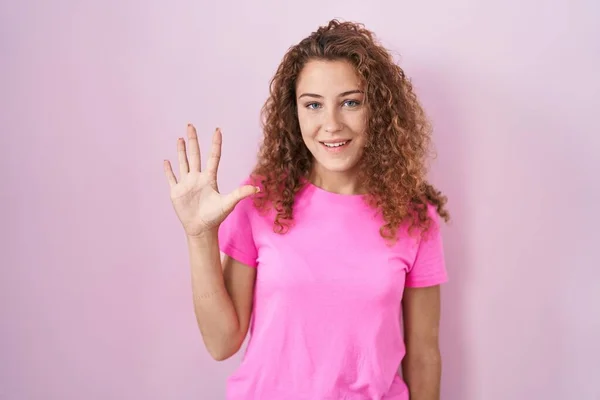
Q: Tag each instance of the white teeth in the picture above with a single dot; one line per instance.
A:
(335, 144)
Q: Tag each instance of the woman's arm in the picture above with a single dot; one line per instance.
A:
(222, 293)
(222, 290)
(422, 365)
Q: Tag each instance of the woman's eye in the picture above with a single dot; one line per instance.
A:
(313, 106)
(351, 103)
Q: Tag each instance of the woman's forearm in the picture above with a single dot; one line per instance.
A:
(215, 313)
(423, 375)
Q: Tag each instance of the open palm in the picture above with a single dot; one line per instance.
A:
(195, 195)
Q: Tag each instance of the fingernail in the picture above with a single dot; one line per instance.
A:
(257, 189)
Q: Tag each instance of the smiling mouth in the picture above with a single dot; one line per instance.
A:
(335, 145)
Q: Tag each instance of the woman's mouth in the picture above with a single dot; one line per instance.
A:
(335, 146)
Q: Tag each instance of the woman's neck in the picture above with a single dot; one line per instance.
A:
(336, 182)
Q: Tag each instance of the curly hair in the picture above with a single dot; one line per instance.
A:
(393, 166)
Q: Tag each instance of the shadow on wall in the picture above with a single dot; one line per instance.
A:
(448, 174)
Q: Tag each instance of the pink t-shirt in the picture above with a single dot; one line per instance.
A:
(326, 319)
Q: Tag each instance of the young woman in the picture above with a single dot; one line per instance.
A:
(332, 245)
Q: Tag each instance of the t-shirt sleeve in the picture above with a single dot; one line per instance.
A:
(236, 237)
(429, 267)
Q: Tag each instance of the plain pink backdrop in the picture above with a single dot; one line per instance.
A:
(94, 285)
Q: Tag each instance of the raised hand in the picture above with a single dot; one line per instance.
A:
(195, 195)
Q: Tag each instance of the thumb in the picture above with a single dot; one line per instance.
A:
(233, 198)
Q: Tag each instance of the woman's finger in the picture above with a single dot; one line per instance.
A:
(237, 195)
(193, 149)
(215, 153)
(169, 173)
(184, 168)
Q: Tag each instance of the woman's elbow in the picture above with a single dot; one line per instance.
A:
(225, 350)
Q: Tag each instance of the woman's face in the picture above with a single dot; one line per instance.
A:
(331, 113)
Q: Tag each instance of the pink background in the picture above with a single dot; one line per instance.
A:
(94, 285)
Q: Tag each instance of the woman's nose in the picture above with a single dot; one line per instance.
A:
(332, 122)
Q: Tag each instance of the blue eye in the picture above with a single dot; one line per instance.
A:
(313, 106)
(351, 103)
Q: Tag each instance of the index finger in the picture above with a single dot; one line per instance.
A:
(215, 153)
